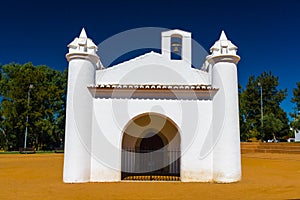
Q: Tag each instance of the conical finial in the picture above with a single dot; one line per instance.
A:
(83, 34)
(223, 48)
(84, 48)
(223, 36)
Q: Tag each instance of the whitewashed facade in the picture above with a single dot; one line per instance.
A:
(153, 114)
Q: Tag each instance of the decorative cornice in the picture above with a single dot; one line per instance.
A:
(82, 55)
(223, 58)
(175, 92)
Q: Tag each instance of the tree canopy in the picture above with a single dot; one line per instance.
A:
(274, 121)
(43, 103)
(296, 114)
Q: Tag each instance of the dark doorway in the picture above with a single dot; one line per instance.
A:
(152, 155)
(151, 142)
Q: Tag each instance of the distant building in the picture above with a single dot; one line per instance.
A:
(297, 136)
(154, 115)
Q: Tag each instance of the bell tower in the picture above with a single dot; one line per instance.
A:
(226, 131)
(176, 46)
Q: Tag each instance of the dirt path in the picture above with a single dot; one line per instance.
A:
(39, 176)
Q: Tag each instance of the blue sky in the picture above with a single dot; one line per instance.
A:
(267, 33)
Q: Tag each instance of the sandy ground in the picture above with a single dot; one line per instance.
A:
(39, 176)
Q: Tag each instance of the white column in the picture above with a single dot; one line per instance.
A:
(226, 131)
(78, 130)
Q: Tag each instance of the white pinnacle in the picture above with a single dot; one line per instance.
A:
(223, 36)
(83, 45)
(83, 34)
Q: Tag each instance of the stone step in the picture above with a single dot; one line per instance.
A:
(270, 143)
(277, 151)
(278, 147)
(152, 178)
(248, 150)
(288, 148)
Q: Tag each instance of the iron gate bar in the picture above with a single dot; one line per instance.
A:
(131, 166)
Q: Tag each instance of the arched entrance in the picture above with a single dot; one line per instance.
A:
(151, 149)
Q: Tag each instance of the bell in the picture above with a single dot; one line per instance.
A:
(176, 46)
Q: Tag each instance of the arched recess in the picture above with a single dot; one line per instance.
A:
(176, 47)
(150, 146)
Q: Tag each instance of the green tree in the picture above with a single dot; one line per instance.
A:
(46, 110)
(250, 106)
(295, 124)
(272, 125)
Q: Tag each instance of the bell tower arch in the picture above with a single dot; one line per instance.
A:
(176, 46)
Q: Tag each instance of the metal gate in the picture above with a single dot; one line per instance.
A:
(150, 164)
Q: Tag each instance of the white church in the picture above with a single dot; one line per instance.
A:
(154, 117)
